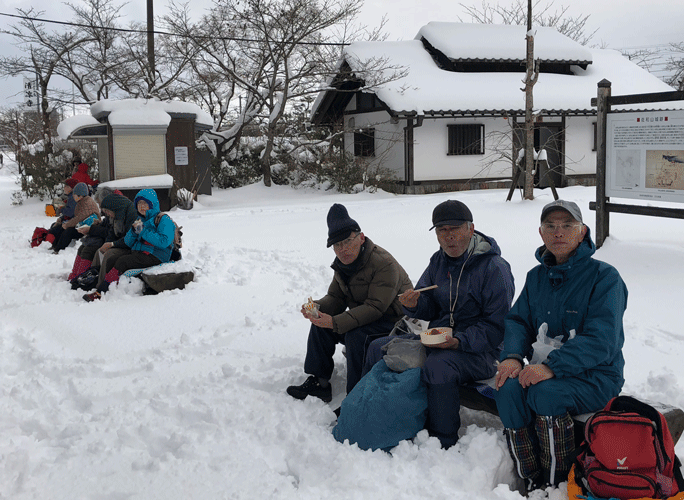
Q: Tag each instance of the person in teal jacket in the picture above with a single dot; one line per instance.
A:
(567, 323)
(150, 241)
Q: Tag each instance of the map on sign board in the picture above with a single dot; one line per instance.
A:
(627, 171)
(665, 169)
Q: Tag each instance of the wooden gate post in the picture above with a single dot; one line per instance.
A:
(602, 110)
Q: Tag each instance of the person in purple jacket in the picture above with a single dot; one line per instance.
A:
(473, 295)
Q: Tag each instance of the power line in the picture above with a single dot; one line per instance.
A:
(156, 32)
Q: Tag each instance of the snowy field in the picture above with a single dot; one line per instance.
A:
(182, 395)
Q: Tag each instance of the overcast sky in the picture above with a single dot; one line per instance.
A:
(620, 25)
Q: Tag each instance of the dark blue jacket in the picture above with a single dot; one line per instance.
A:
(484, 294)
(154, 239)
(125, 215)
(69, 208)
(582, 301)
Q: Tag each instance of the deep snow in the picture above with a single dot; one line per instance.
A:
(182, 395)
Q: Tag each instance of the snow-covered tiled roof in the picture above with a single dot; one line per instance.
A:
(492, 42)
(425, 87)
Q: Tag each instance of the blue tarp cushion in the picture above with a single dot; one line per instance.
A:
(384, 408)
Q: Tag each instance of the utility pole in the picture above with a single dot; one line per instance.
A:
(531, 75)
(150, 37)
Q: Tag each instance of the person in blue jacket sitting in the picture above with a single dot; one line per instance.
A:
(473, 295)
(568, 323)
(151, 244)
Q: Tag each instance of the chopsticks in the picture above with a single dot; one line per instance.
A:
(421, 289)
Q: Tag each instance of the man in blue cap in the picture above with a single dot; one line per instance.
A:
(361, 304)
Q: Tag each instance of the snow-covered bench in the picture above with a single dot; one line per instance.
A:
(480, 396)
(167, 276)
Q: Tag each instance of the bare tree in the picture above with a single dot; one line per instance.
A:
(91, 66)
(269, 51)
(545, 14)
(18, 129)
(531, 76)
(44, 51)
(675, 64)
(665, 61)
(645, 58)
(136, 78)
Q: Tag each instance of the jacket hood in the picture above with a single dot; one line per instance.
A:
(151, 198)
(586, 249)
(480, 244)
(123, 208)
(83, 168)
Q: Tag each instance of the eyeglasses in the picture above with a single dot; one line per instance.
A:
(448, 230)
(345, 243)
(566, 227)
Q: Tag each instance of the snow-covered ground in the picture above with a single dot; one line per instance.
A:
(182, 395)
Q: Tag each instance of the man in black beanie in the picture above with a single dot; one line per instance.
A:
(361, 304)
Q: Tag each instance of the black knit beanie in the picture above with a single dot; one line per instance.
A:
(340, 225)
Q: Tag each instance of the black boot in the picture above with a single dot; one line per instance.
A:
(311, 387)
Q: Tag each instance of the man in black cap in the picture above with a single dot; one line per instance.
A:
(571, 309)
(361, 304)
(473, 295)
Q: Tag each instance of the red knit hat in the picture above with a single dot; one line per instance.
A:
(71, 182)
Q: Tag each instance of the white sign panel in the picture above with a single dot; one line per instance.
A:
(30, 93)
(181, 155)
(645, 155)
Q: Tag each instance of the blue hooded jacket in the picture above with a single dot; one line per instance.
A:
(582, 301)
(154, 239)
(482, 287)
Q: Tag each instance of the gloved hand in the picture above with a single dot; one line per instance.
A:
(533, 374)
(508, 368)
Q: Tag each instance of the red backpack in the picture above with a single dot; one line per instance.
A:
(628, 452)
(39, 235)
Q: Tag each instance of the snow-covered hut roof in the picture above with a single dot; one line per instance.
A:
(425, 88)
(134, 113)
(493, 42)
(70, 127)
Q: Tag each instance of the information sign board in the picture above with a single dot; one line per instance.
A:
(645, 155)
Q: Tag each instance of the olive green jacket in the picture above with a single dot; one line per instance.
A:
(371, 293)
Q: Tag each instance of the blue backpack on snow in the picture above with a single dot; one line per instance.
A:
(385, 407)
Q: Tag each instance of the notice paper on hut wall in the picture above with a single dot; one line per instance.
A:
(180, 155)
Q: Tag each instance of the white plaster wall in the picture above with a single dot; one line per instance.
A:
(433, 163)
(579, 140)
(389, 140)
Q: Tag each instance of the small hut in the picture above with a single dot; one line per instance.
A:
(146, 143)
